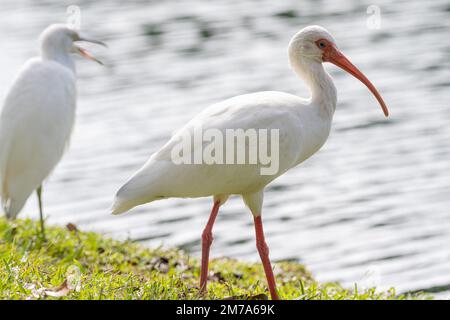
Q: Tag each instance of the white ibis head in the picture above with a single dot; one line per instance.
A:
(60, 39)
(316, 43)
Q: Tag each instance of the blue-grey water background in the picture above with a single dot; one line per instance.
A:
(371, 207)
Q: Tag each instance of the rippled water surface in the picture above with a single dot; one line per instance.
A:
(371, 207)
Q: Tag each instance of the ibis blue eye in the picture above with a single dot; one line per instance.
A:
(322, 44)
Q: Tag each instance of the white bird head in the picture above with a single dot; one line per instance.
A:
(315, 44)
(304, 42)
(59, 39)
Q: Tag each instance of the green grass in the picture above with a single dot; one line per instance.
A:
(85, 265)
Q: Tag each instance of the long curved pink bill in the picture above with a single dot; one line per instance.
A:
(338, 59)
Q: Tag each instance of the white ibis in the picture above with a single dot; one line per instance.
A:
(303, 124)
(37, 118)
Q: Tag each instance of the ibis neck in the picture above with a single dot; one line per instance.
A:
(320, 83)
(59, 56)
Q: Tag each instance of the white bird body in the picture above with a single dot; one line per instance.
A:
(35, 126)
(37, 118)
(303, 124)
(302, 131)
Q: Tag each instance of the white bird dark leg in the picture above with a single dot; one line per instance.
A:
(263, 251)
(207, 239)
(39, 195)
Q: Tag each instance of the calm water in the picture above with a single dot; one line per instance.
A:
(372, 207)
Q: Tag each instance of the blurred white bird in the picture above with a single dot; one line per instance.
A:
(303, 124)
(37, 118)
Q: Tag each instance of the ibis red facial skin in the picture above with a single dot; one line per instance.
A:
(304, 125)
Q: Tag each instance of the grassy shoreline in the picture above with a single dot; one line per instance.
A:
(85, 265)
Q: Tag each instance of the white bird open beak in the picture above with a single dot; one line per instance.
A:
(86, 54)
(337, 58)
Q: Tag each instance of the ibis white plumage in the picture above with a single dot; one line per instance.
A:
(37, 118)
(303, 124)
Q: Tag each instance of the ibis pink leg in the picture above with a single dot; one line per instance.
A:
(263, 251)
(207, 239)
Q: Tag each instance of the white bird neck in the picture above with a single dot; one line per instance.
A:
(59, 56)
(320, 83)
